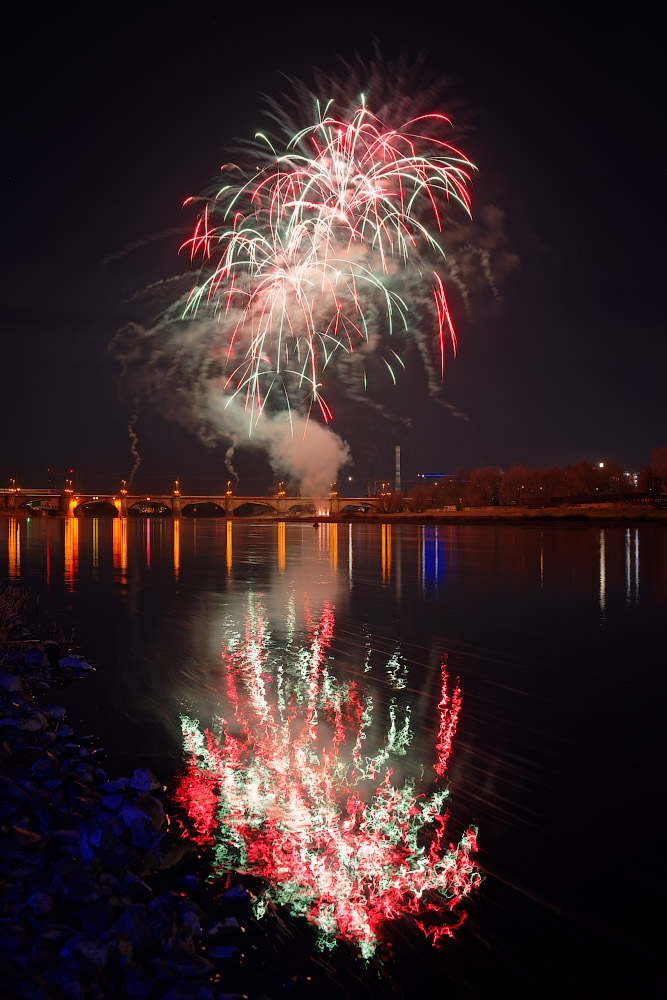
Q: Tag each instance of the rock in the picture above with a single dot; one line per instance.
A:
(144, 780)
(53, 936)
(10, 790)
(113, 802)
(95, 916)
(94, 948)
(191, 923)
(46, 767)
(121, 946)
(11, 681)
(222, 928)
(221, 953)
(195, 993)
(189, 965)
(145, 807)
(109, 787)
(26, 838)
(69, 980)
(137, 889)
(143, 834)
(40, 903)
(237, 893)
(68, 837)
(54, 711)
(134, 922)
(34, 989)
(76, 663)
(170, 852)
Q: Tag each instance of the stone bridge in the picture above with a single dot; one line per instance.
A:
(68, 503)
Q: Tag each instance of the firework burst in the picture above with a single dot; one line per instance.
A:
(302, 260)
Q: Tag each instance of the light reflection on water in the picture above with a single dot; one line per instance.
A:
(295, 782)
(554, 632)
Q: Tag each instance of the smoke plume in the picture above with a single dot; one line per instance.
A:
(134, 438)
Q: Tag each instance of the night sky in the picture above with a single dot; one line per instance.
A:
(113, 118)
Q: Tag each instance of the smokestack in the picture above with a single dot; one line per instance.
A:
(397, 480)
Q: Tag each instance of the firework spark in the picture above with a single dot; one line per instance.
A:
(321, 270)
(319, 249)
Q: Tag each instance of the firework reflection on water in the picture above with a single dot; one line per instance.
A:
(304, 780)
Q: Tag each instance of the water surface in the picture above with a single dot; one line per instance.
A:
(324, 649)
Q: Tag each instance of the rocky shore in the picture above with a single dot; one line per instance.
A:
(99, 897)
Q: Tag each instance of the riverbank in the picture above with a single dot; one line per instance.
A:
(604, 515)
(611, 514)
(102, 894)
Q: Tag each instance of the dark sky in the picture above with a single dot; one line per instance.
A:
(112, 118)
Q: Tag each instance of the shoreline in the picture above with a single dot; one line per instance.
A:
(517, 516)
(103, 893)
(621, 515)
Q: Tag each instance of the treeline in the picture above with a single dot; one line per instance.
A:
(489, 486)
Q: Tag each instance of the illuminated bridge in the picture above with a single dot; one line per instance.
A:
(174, 504)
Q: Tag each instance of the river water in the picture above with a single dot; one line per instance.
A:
(309, 694)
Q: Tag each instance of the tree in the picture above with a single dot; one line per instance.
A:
(421, 498)
(389, 502)
(518, 485)
(446, 491)
(582, 477)
(612, 477)
(550, 481)
(658, 468)
(484, 484)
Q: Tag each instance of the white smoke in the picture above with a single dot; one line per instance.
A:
(134, 438)
(302, 449)
(178, 364)
(229, 454)
(481, 254)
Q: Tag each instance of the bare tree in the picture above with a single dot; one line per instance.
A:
(484, 483)
(550, 480)
(582, 477)
(658, 469)
(518, 485)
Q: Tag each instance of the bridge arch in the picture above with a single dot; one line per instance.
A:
(203, 508)
(306, 509)
(254, 509)
(149, 508)
(95, 508)
(359, 507)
